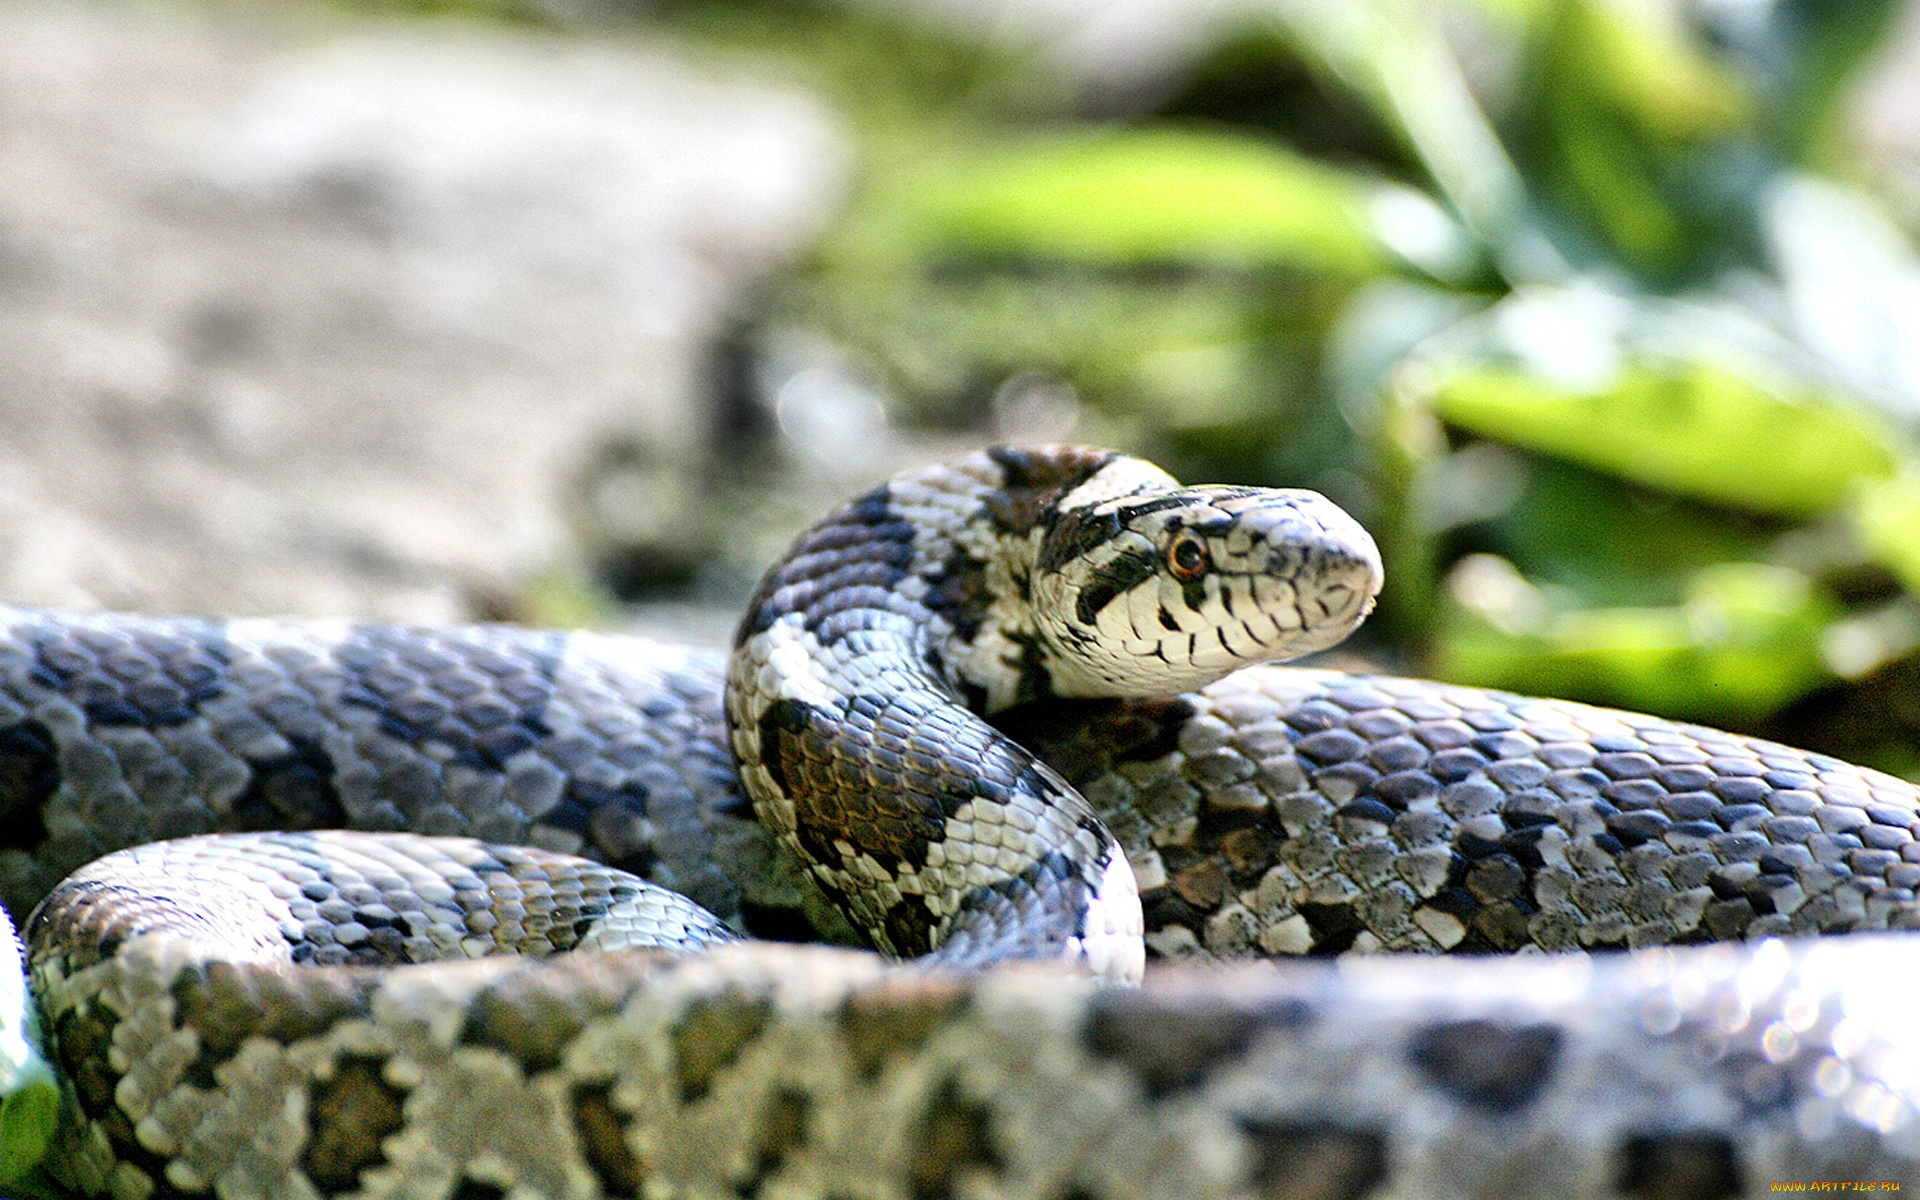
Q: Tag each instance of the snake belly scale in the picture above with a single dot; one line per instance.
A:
(1272, 812)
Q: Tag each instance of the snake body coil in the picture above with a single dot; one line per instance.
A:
(1277, 811)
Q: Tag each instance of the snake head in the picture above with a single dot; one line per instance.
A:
(1167, 591)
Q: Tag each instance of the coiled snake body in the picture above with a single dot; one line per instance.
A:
(256, 1039)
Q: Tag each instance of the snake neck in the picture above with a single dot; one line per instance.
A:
(931, 576)
(854, 697)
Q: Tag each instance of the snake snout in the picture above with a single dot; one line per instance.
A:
(1320, 572)
(1339, 578)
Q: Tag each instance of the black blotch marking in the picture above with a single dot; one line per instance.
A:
(952, 1134)
(1123, 573)
(1164, 908)
(863, 547)
(1178, 1050)
(1304, 1160)
(873, 509)
(1334, 927)
(1453, 900)
(350, 1116)
(1087, 824)
(784, 719)
(1071, 534)
(29, 775)
(882, 1026)
(1051, 865)
(1034, 484)
(768, 923)
(759, 618)
(82, 1042)
(852, 577)
(958, 591)
(1049, 874)
(1679, 1166)
(1194, 592)
(711, 1036)
(602, 1130)
(1036, 683)
(294, 790)
(784, 1125)
(525, 1021)
(83, 1039)
(474, 1189)
(1760, 891)
(1497, 1067)
(1725, 884)
(1067, 468)
(227, 1005)
(1636, 827)
(908, 926)
(608, 816)
(1366, 808)
(973, 696)
(1475, 846)
(124, 671)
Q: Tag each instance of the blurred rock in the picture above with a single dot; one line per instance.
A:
(327, 319)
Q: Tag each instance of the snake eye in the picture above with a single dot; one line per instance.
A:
(1188, 557)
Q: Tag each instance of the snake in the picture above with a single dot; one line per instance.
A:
(996, 858)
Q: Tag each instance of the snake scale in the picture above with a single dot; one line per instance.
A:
(280, 1034)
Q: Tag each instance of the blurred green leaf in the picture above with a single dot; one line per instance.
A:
(1695, 428)
(1154, 351)
(1612, 114)
(1162, 195)
(1887, 522)
(1813, 49)
(1744, 642)
(1606, 542)
(1647, 70)
(29, 1092)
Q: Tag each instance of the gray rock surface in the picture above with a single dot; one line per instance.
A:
(325, 317)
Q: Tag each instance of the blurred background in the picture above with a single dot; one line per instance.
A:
(1603, 315)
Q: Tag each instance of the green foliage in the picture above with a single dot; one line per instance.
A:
(1162, 195)
(1888, 521)
(1693, 428)
(1743, 636)
(1626, 129)
(29, 1097)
